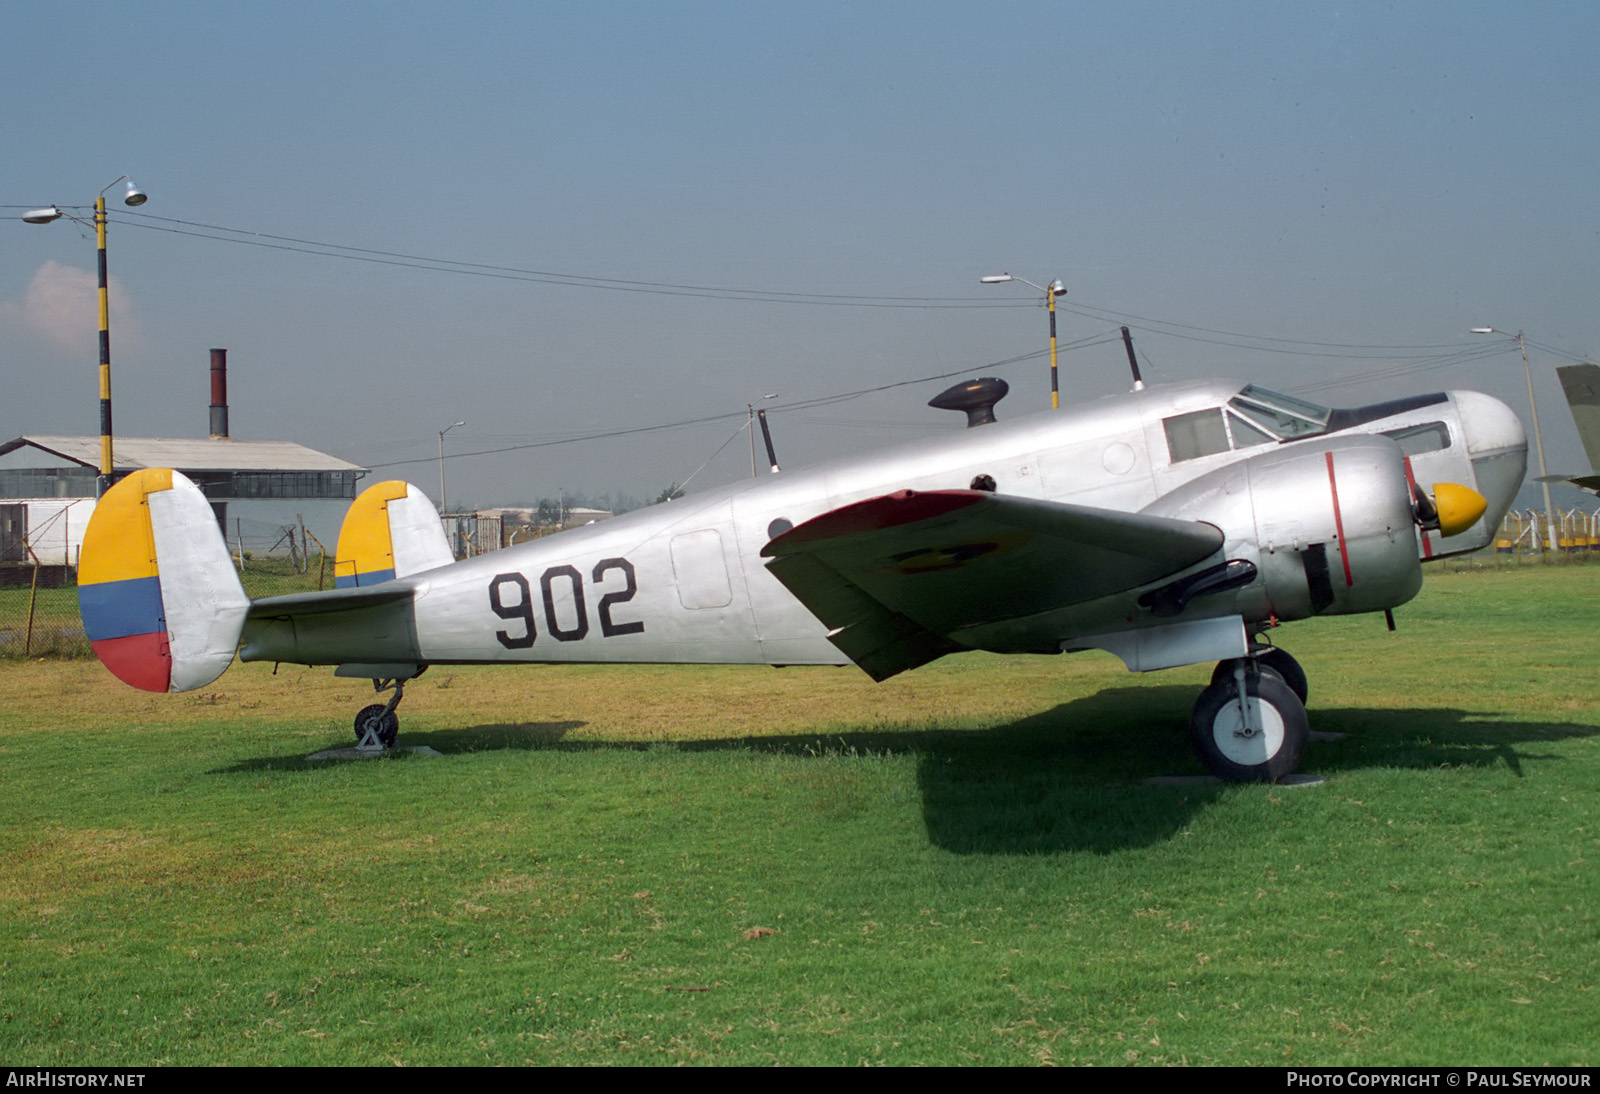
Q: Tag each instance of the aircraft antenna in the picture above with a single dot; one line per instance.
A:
(1133, 362)
(766, 435)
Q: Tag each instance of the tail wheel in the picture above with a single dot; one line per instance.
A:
(377, 723)
(1259, 740)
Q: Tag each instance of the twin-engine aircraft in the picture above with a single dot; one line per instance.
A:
(1173, 525)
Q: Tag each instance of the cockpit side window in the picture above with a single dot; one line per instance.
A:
(1200, 433)
(1414, 440)
(1283, 416)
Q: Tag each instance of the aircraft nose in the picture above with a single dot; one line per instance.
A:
(1497, 447)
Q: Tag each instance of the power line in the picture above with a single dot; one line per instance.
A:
(804, 404)
(548, 277)
(1167, 328)
(1156, 326)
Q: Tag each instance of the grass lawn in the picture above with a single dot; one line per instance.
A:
(745, 865)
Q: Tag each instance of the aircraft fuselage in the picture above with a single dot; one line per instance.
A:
(1325, 518)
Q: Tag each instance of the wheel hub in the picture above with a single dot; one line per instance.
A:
(1240, 741)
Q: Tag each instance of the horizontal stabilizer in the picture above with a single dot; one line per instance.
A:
(374, 623)
(332, 600)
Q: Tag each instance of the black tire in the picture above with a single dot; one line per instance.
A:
(1274, 660)
(1287, 667)
(380, 718)
(1268, 753)
(1223, 673)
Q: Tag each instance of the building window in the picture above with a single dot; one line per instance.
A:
(282, 484)
(47, 482)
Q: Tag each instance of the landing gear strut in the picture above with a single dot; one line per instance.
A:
(1250, 724)
(1272, 659)
(377, 726)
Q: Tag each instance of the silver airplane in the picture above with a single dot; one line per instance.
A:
(1172, 525)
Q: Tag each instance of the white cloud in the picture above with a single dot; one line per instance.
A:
(61, 308)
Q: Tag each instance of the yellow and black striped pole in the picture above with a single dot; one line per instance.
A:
(103, 483)
(46, 215)
(1055, 389)
(1055, 289)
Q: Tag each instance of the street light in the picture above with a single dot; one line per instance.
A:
(1538, 438)
(1056, 289)
(133, 198)
(442, 432)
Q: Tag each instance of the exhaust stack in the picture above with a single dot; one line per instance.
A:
(219, 395)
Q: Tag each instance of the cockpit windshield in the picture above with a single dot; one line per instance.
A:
(1282, 415)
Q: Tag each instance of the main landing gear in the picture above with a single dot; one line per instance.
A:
(1250, 724)
(377, 726)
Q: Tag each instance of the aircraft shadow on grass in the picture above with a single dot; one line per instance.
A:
(1072, 778)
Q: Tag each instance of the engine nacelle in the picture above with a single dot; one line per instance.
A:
(1328, 525)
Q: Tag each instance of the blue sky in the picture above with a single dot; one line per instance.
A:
(1330, 176)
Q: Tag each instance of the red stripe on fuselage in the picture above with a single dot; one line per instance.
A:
(1338, 524)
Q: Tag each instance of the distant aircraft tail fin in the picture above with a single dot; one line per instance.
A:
(1581, 383)
(391, 530)
(160, 599)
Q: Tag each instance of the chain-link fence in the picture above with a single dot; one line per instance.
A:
(1529, 533)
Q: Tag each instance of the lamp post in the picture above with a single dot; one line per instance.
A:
(1056, 289)
(442, 432)
(133, 198)
(1538, 438)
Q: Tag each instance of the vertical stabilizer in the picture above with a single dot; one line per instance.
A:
(391, 530)
(1582, 386)
(161, 602)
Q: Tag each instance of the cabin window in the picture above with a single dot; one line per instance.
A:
(1201, 433)
(1414, 440)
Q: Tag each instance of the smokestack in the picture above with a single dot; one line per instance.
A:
(219, 394)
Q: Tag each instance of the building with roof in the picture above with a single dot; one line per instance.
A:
(260, 490)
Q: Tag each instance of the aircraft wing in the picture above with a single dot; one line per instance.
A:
(895, 577)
